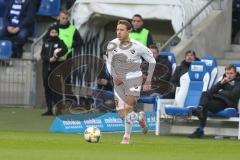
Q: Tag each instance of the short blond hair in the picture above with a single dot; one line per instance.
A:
(126, 23)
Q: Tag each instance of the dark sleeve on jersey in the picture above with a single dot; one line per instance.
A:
(149, 40)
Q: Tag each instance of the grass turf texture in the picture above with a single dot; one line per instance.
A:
(24, 135)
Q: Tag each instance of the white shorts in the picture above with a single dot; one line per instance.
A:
(129, 87)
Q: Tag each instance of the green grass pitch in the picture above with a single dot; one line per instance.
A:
(24, 136)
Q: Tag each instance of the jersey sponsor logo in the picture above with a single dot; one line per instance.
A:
(130, 60)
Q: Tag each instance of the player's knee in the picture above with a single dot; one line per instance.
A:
(121, 114)
(128, 108)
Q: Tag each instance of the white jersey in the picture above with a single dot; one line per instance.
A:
(123, 62)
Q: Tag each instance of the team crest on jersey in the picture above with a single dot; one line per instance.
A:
(56, 45)
(132, 51)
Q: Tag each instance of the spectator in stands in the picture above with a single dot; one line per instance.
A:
(68, 33)
(223, 94)
(105, 83)
(139, 33)
(165, 64)
(104, 79)
(180, 70)
(18, 24)
(52, 49)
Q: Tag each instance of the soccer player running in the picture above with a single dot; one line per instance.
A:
(124, 57)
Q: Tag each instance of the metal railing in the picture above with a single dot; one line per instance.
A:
(17, 82)
(188, 26)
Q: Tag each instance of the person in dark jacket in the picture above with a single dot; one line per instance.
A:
(183, 68)
(105, 84)
(104, 80)
(224, 94)
(52, 49)
(18, 23)
(164, 70)
(180, 70)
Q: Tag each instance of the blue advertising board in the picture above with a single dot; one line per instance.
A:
(108, 122)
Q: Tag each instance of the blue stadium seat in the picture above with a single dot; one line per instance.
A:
(5, 49)
(49, 8)
(211, 66)
(1, 22)
(226, 113)
(238, 67)
(150, 100)
(171, 58)
(3, 4)
(192, 84)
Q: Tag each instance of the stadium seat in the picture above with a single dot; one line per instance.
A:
(211, 66)
(238, 67)
(1, 22)
(192, 84)
(2, 6)
(226, 113)
(150, 100)
(5, 49)
(171, 59)
(49, 8)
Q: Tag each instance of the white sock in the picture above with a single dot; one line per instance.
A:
(129, 119)
(128, 128)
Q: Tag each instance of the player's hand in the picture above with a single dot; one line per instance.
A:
(147, 86)
(117, 82)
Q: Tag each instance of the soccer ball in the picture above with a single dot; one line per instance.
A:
(92, 134)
